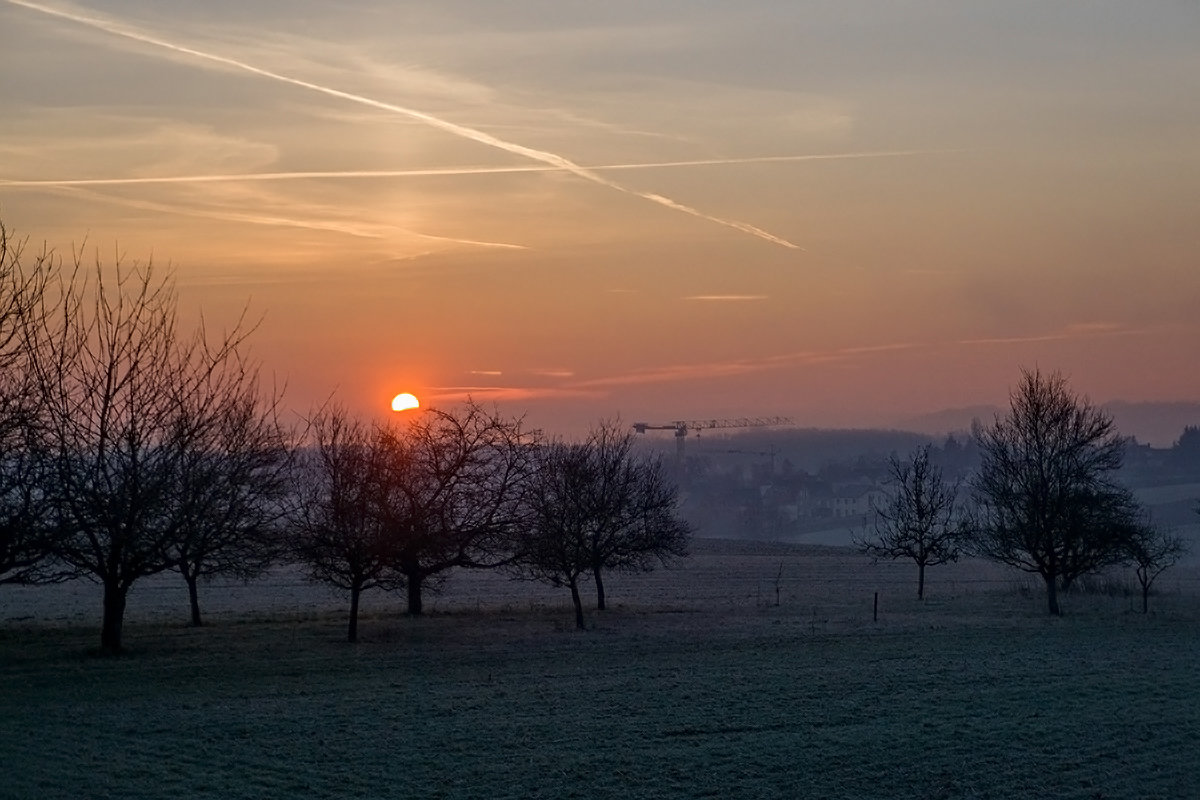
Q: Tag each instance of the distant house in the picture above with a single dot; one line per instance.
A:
(851, 500)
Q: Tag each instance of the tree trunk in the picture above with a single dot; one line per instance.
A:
(1052, 594)
(193, 598)
(599, 587)
(920, 580)
(352, 633)
(1145, 598)
(414, 579)
(578, 605)
(114, 617)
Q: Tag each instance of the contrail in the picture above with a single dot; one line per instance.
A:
(462, 131)
(272, 176)
(436, 171)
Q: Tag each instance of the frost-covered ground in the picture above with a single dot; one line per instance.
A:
(695, 684)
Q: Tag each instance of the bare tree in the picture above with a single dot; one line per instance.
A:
(232, 481)
(594, 507)
(632, 504)
(1152, 552)
(25, 538)
(113, 376)
(451, 493)
(555, 546)
(1046, 499)
(336, 532)
(919, 519)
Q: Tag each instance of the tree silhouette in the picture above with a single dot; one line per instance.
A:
(554, 546)
(1046, 499)
(632, 506)
(594, 506)
(451, 493)
(1152, 552)
(335, 530)
(114, 378)
(232, 481)
(918, 520)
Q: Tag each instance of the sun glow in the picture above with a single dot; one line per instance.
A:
(403, 402)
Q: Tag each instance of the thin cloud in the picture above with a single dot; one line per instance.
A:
(355, 229)
(726, 298)
(1095, 328)
(876, 348)
(717, 369)
(576, 119)
(486, 372)
(233, 177)
(600, 386)
(1050, 337)
(1083, 330)
(716, 162)
(458, 394)
(472, 134)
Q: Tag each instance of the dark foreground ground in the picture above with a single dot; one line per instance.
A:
(972, 694)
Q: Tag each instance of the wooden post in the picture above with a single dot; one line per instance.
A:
(875, 615)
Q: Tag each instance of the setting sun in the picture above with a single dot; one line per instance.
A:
(403, 402)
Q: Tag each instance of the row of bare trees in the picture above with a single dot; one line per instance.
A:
(129, 447)
(1045, 499)
(393, 507)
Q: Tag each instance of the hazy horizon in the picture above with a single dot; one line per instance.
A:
(848, 214)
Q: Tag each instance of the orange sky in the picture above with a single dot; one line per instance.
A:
(565, 208)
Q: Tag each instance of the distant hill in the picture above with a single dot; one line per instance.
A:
(1158, 424)
(948, 420)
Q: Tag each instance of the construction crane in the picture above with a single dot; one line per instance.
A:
(683, 427)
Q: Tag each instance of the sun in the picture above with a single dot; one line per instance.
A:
(403, 402)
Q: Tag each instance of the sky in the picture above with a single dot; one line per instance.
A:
(847, 213)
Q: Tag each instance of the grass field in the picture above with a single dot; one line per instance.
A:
(695, 685)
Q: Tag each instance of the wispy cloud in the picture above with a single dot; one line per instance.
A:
(1081, 330)
(362, 230)
(326, 223)
(726, 298)
(717, 369)
(463, 131)
(485, 372)
(55, 142)
(601, 386)
(458, 394)
(1095, 328)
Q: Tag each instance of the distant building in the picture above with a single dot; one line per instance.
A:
(853, 500)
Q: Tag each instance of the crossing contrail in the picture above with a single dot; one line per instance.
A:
(431, 171)
(463, 131)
